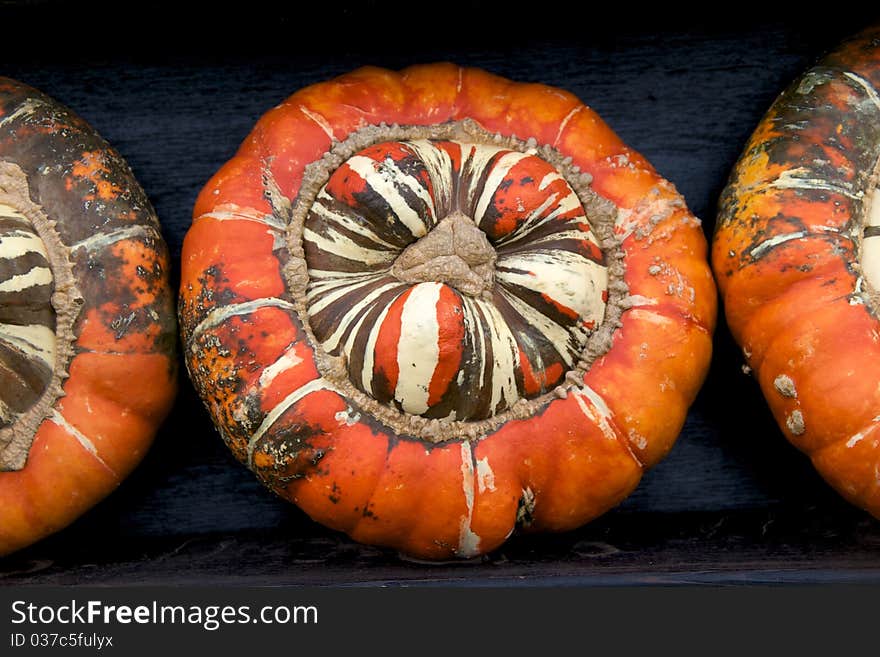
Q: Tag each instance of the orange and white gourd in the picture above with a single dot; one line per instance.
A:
(87, 325)
(797, 258)
(434, 305)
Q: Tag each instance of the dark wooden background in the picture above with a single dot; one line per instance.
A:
(175, 92)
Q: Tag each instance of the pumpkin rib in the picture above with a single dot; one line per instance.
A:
(314, 149)
(851, 466)
(63, 187)
(818, 269)
(812, 368)
(792, 260)
(802, 299)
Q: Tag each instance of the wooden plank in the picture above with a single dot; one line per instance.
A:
(783, 545)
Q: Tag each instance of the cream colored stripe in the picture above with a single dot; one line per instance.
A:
(15, 246)
(797, 179)
(220, 315)
(496, 177)
(551, 273)
(286, 361)
(762, 247)
(245, 214)
(35, 277)
(319, 120)
(866, 86)
(27, 108)
(332, 341)
(418, 350)
(568, 117)
(101, 240)
(34, 340)
(272, 416)
(370, 350)
(386, 186)
(439, 166)
(81, 438)
(555, 334)
(346, 222)
(341, 246)
(505, 354)
(468, 541)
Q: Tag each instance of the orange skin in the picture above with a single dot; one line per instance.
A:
(122, 377)
(792, 303)
(574, 458)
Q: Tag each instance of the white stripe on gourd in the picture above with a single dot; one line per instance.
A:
(418, 350)
(384, 183)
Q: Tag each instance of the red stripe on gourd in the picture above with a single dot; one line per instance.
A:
(453, 150)
(560, 307)
(385, 368)
(450, 342)
(397, 152)
(519, 194)
(344, 184)
(537, 380)
(292, 378)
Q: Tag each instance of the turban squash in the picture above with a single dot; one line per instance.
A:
(429, 306)
(797, 257)
(87, 323)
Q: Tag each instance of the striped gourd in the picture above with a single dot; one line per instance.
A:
(442, 272)
(87, 355)
(432, 306)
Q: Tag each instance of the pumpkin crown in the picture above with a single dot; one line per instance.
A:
(449, 274)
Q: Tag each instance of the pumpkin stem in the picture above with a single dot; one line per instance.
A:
(455, 251)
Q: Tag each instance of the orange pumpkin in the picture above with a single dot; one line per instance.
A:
(434, 305)
(797, 260)
(87, 324)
